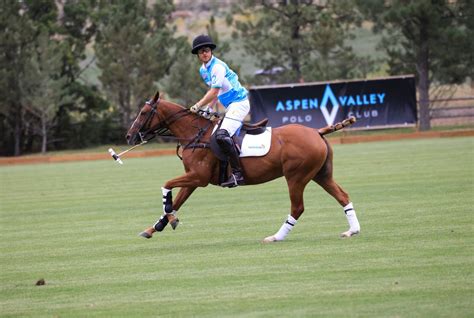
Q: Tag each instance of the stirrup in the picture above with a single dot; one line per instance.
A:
(232, 182)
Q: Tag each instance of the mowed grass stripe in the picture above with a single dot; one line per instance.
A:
(75, 225)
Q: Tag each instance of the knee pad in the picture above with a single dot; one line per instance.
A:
(223, 138)
(224, 141)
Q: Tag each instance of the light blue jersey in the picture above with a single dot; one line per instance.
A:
(216, 74)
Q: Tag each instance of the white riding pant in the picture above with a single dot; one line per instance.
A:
(235, 115)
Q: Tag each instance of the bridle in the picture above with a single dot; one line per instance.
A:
(163, 130)
(144, 130)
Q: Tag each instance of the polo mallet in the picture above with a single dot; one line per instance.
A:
(117, 156)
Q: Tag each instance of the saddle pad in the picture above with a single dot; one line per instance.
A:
(256, 145)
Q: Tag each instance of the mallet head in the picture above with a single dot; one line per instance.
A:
(115, 156)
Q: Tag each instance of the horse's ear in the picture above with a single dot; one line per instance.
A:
(157, 95)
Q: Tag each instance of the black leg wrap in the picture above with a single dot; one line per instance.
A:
(168, 203)
(161, 224)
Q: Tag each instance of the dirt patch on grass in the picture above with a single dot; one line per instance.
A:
(34, 159)
(81, 157)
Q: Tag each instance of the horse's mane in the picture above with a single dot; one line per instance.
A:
(174, 107)
(172, 104)
(179, 108)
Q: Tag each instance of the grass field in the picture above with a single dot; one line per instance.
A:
(76, 226)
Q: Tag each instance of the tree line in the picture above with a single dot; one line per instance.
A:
(45, 104)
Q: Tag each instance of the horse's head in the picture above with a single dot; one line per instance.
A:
(146, 122)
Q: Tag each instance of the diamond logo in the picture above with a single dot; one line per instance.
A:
(329, 96)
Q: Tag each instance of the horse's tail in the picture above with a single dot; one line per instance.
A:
(338, 126)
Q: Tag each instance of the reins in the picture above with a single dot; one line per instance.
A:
(164, 126)
(164, 123)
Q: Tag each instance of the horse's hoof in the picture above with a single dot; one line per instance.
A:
(269, 239)
(174, 221)
(174, 224)
(349, 233)
(145, 235)
(148, 233)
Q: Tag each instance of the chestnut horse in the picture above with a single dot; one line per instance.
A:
(298, 153)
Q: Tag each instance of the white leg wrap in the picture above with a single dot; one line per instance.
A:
(165, 191)
(351, 216)
(285, 228)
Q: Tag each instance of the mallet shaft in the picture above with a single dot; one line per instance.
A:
(140, 144)
(117, 156)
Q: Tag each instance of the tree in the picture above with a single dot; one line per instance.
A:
(431, 38)
(85, 119)
(306, 38)
(42, 86)
(223, 47)
(20, 21)
(133, 48)
(184, 84)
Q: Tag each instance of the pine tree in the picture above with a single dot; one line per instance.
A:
(134, 51)
(184, 84)
(431, 38)
(43, 86)
(20, 22)
(305, 38)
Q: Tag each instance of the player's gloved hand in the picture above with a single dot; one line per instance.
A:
(205, 111)
(195, 108)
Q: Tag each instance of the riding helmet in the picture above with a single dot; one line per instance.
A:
(201, 41)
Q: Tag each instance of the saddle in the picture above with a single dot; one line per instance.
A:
(254, 129)
(251, 129)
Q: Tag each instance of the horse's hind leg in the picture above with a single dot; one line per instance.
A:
(325, 180)
(328, 184)
(296, 187)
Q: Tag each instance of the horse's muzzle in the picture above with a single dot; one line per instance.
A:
(132, 140)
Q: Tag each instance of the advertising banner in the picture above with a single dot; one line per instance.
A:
(374, 103)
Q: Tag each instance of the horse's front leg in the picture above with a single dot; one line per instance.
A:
(170, 207)
(188, 183)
